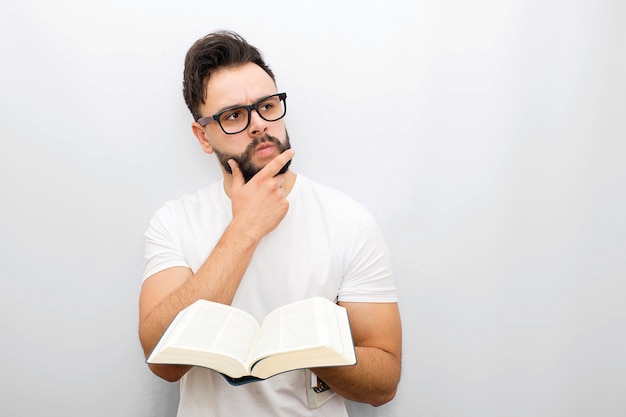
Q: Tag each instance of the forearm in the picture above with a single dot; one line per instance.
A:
(374, 379)
(216, 280)
(258, 206)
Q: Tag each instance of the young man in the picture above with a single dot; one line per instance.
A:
(261, 238)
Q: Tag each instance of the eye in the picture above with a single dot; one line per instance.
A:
(269, 104)
(232, 115)
(266, 106)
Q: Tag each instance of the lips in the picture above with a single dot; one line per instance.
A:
(265, 149)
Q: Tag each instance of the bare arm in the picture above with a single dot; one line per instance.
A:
(258, 207)
(377, 334)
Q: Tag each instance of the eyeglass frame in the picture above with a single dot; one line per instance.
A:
(254, 106)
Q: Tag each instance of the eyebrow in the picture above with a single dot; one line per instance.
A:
(234, 106)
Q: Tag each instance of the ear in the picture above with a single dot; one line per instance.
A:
(200, 134)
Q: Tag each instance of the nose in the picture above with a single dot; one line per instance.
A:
(258, 125)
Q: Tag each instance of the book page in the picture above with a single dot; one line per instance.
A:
(217, 328)
(298, 325)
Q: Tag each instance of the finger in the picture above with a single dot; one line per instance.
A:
(237, 175)
(274, 167)
(279, 181)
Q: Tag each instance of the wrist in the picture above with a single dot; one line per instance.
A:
(242, 233)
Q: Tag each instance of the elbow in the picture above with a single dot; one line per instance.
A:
(168, 377)
(169, 373)
(387, 391)
(383, 398)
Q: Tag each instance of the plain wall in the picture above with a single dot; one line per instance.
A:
(487, 137)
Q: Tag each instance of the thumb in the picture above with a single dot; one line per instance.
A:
(237, 175)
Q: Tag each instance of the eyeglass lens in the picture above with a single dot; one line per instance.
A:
(237, 119)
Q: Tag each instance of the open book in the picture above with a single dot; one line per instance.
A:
(310, 333)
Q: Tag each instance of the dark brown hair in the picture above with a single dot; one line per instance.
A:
(215, 51)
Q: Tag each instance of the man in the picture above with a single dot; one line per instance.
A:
(261, 238)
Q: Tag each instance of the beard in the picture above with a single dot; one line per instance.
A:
(244, 160)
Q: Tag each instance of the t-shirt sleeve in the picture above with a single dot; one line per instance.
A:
(369, 275)
(163, 247)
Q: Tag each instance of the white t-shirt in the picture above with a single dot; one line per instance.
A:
(327, 245)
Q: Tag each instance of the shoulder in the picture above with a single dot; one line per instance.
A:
(189, 203)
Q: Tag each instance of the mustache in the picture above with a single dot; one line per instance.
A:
(247, 153)
(259, 140)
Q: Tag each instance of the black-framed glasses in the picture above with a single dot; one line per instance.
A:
(237, 119)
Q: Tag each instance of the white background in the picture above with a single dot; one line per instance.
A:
(487, 137)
